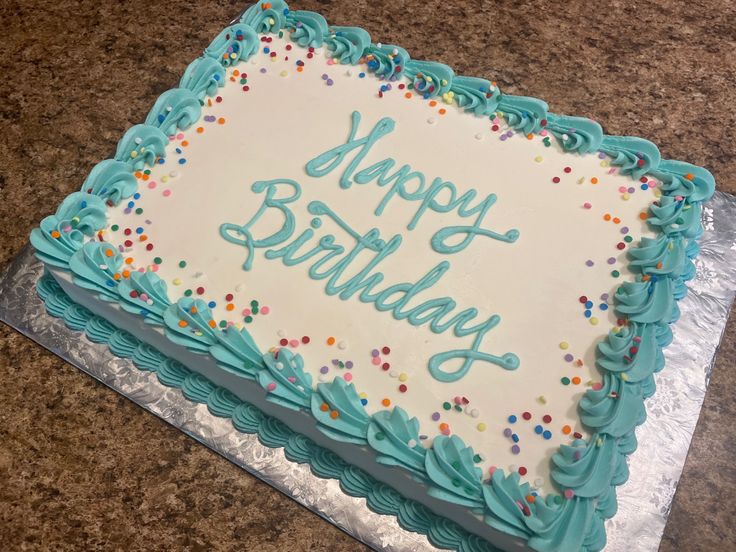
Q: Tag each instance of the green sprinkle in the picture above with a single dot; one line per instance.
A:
(248, 319)
(380, 436)
(254, 304)
(114, 228)
(446, 405)
(565, 381)
(223, 323)
(628, 239)
(615, 273)
(138, 211)
(455, 482)
(458, 408)
(157, 260)
(188, 292)
(477, 458)
(182, 264)
(254, 310)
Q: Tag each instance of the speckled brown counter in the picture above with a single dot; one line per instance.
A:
(83, 468)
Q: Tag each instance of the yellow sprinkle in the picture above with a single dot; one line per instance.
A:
(134, 154)
(599, 442)
(604, 164)
(594, 321)
(538, 158)
(481, 426)
(625, 196)
(284, 73)
(624, 376)
(541, 399)
(581, 180)
(564, 345)
(177, 281)
(403, 377)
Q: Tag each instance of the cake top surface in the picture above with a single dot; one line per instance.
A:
(477, 289)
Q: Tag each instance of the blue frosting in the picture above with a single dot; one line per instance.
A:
(144, 293)
(309, 28)
(452, 472)
(111, 180)
(522, 113)
(62, 234)
(350, 423)
(97, 267)
(203, 77)
(177, 108)
(286, 381)
(575, 133)
(236, 352)
(266, 17)
(475, 95)
(395, 437)
(235, 43)
(141, 145)
(429, 78)
(347, 44)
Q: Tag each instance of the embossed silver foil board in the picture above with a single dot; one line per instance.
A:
(644, 500)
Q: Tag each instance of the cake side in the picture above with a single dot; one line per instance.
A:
(648, 302)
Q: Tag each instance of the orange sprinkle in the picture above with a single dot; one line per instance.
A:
(299, 69)
(116, 275)
(209, 100)
(200, 130)
(183, 323)
(530, 136)
(212, 324)
(232, 79)
(616, 220)
(432, 103)
(689, 176)
(126, 273)
(566, 429)
(236, 72)
(386, 402)
(530, 499)
(606, 217)
(229, 306)
(594, 180)
(108, 253)
(334, 414)
(193, 310)
(56, 234)
(324, 407)
(129, 260)
(643, 216)
(330, 340)
(660, 264)
(576, 380)
(145, 177)
(143, 237)
(221, 121)
(407, 95)
(442, 111)
(645, 278)
(184, 143)
(444, 426)
(138, 174)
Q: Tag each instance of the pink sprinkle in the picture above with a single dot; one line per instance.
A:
(376, 360)
(543, 133)
(622, 189)
(143, 296)
(180, 136)
(348, 376)
(496, 121)
(445, 432)
(151, 185)
(492, 469)
(141, 269)
(294, 342)
(458, 400)
(167, 192)
(291, 379)
(154, 268)
(587, 205)
(265, 310)
(246, 312)
(597, 386)
(271, 386)
(569, 493)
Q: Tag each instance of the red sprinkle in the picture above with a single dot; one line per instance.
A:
(527, 415)
(556, 180)
(305, 339)
(546, 418)
(385, 350)
(229, 297)
(522, 470)
(402, 388)
(385, 366)
(200, 290)
(284, 342)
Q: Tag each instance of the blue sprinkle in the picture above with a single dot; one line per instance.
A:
(588, 314)
(588, 304)
(161, 118)
(547, 434)
(645, 187)
(83, 204)
(161, 161)
(361, 75)
(178, 150)
(136, 195)
(212, 304)
(512, 419)
(603, 306)
(139, 230)
(110, 283)
(266, 50)
(182, 161)
(131, 204)
(364, 401)
(216, 77)
(538, 429)
(515, 438)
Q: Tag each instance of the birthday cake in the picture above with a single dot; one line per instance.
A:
(448, 298)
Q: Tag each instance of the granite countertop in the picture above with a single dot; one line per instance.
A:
(82, 467)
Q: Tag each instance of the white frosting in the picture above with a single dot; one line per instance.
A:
(287, 118)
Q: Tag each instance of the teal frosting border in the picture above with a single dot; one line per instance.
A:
(588, 471)
(247, 418)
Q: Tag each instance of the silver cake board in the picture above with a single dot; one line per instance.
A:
(644, 501)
